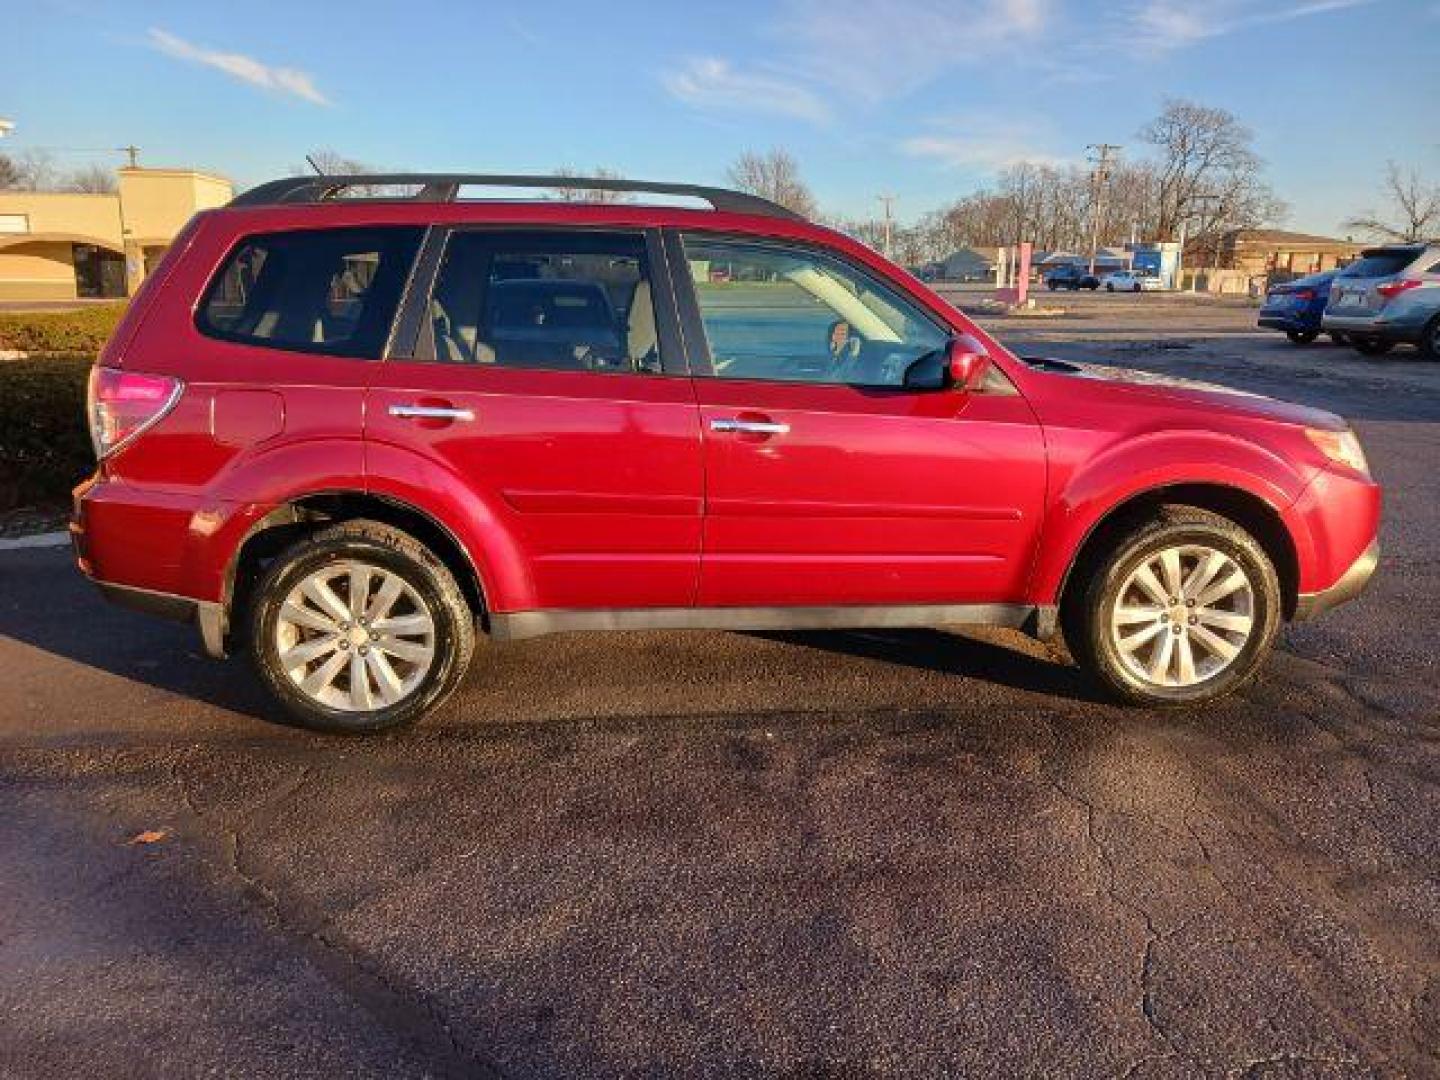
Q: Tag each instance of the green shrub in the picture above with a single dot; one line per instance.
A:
(83, 330)
(44, 442)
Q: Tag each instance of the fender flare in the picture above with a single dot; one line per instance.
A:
(1142, 468)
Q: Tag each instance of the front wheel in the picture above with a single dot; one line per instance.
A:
(1301, 337)
(1184, 609)
(1109, 288)
(358, 628)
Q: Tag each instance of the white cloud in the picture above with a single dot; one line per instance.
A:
(883, 50)
(1164, 25)
(712, 83)
(982, 143)
(280, 80)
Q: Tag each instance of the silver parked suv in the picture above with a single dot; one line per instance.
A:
(1388, 296)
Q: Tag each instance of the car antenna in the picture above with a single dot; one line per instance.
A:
(318, 171)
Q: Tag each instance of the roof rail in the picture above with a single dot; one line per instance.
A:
(444, 187)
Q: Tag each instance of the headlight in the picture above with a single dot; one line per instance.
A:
(1340, 446)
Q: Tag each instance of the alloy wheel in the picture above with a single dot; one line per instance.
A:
(1183, 616)
(354, 636)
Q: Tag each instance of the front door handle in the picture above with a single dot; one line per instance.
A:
(430, 412)
(749, 427)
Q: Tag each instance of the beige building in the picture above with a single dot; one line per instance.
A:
(62, 245)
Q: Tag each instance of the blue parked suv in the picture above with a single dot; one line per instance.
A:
(1296, 307)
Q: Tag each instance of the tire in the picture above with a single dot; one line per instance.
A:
(1339, 337)
(1109, 288)
(1430, 340)
(409, 673)
(1135, 289)
(1371, 346)
(1094, 629)
(1301, 337)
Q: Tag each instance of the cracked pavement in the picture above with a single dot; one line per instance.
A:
(809, 854)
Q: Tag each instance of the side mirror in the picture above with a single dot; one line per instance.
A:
(960, 365)
(965, 363)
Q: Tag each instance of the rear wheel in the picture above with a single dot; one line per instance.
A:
(1109, 287)
(1372, 346)
(1430, 340)
(1184, 609)
(1301, 337)
(1136, 288)
(1339, 337)
(359, 628)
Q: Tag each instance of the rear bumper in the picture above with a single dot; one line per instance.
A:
(1288, 323)
(1371, 326)
(207, 617)
(1351, 584)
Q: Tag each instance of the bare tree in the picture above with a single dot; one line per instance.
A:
(34, 170)
(1416, 207)
(774, 176)
(566, 193)
(92, 180)
(1208, 174)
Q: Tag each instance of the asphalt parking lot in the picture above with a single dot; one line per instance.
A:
(797, 855)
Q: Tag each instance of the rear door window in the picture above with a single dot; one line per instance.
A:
(331, 291)
(558, 301)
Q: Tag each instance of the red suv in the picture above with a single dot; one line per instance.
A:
(350, 431)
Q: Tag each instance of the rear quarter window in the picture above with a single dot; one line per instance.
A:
(330, 291)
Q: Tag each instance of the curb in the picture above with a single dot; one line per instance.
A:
(39, 540)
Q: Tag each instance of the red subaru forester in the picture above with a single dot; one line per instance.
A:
(350, 430)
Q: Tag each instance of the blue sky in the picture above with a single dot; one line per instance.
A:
(922, 98)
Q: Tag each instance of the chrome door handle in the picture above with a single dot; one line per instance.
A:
(430, 412)
(750, 427)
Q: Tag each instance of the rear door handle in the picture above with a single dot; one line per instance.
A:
(431, 412)
(749, 427)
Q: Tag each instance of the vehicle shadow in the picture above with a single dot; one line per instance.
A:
(951, 653)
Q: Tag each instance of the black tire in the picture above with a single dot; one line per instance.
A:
(1051, 286)
(1109, 287)
(1136, 288)
(1430, 340)
(1090, 604)
(1339, 337)
(389, 549)
(1371, 346)
(1301, 337)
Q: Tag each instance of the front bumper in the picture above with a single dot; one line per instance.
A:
(1351, 584)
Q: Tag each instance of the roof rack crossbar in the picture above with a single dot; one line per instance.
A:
(445, 187)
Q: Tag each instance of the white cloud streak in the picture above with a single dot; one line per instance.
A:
(1165, 25)
(280, 80)
(712, 83)
(982, 143)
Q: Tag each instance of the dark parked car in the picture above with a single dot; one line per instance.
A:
(349, 436)
(1297, 306)
(1072, 276)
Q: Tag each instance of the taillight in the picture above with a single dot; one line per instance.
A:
(1304, 294)
(122, 404)
(1392, 289)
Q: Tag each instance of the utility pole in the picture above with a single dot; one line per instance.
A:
(1100, 177)
(886, 201)
(132, 152)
